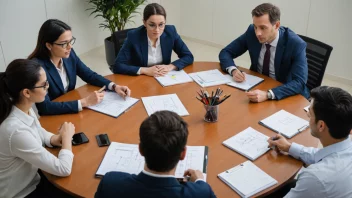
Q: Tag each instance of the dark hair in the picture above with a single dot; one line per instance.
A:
(153, 9)
(267, 8)
(333, 106)
(20, 74)
(163, 137)
(48, 33)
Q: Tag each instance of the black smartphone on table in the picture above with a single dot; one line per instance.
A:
(103, 140)
(79, 138)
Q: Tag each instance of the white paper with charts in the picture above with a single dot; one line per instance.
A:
(247, 179)
(285, 123)
(209, 78)
(113, 104)
(174, 78)
(126, 158)
(249, 142)
(169, 102)
(250, 82)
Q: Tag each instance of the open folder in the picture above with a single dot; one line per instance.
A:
(126, 158)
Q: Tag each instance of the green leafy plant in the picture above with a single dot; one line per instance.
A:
(116, 13)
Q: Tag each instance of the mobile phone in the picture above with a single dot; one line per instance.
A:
(79, 138)
(103, 140)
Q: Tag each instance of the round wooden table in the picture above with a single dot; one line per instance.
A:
(235, 115)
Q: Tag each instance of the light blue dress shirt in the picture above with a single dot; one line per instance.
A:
(329, 173)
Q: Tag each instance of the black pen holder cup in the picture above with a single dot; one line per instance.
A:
(211, 113)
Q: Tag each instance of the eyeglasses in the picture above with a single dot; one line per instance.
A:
(45, 86)
(154, 26)
(64, 45)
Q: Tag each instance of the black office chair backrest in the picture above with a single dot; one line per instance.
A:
(318, 55)
(119, 39)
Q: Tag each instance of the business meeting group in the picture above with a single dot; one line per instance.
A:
(51, 71)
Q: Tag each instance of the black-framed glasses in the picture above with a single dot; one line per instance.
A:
(154, 26)
(45, 86)
(64, 45)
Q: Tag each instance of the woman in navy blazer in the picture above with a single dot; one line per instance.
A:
(55, 54)
(147, 49)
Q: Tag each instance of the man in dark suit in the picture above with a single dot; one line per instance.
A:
(274, 51)
(163, 138)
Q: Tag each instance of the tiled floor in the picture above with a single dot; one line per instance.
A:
(95, 59)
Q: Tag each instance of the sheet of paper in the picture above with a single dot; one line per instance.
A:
(249, 142)
(126, 158)
(209, 78)
(285, 123)
(247, 179)
(113, 104)
(250, 82)
(174, 77)
(169, 102)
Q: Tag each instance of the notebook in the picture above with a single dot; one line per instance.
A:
(209, 78)
(249, 143)
(126, 158)
(169, 102)
(250, 82)
(285, 123)
(174, 78)
(113, 104)
(247, 179)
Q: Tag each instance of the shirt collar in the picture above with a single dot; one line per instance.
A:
(150, 42)
(275, 41)
(324, 152)
(156, 175)
(61, 63)
(25, 118)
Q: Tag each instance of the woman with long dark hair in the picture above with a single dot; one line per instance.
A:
(22, 138)
(55, 53)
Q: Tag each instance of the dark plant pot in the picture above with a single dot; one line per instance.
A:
(109, 52)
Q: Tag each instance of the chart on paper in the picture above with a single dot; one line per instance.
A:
(169, 102)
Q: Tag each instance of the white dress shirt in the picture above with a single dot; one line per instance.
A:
(329, 173)
(155, 57)
(163, 176)
(22, 153)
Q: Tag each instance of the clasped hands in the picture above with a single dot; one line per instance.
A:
(157, 70)
(96, 97)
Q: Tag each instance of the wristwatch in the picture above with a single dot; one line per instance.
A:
(269, 95)
(113, 87)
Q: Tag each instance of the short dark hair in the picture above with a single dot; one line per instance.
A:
(267, 8)
(333, 106)
(153, 9)
(163, 137)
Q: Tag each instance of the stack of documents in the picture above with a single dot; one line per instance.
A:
(250, 82)
(113, 104)
(249, 142)
(168, 102)
(174, 78)
(247, 179)
(209, 78)
(285, 123)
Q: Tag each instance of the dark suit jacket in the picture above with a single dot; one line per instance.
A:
(134, 52)
(73, 66)
(118, 184)
(290, 63)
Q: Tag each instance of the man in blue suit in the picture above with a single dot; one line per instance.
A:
(274, 51)
(163, 138)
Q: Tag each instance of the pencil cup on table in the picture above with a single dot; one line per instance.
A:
(211, 113)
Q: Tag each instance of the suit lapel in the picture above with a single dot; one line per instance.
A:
(144, 47)
(54, 75)
(256, 51)
(69, 74)
(280, 49)
(164, 48)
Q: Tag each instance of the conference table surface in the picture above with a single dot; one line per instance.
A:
(235, 114)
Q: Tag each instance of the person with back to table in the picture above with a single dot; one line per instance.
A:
(275, 51)
(163, 138)
(55, 53)
(147, 49)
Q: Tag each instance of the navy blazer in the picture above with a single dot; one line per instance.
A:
(134, 52)
(290, 63)
(118, 184)
(73, 67)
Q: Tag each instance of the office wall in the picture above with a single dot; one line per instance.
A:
(2, 60)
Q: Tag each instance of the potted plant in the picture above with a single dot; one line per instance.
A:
(116, 14)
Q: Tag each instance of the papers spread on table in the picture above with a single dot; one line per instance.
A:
(247, 179)
(173, 78)
(169, 102)
(126, 158)
(249, 142)
(285, 123)
(209, 78)
(113, 104)
(250, 82)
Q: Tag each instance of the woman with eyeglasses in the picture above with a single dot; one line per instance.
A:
(55, 53)
(147, 49)
(22, 138)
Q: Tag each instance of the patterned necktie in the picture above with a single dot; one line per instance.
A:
(266, 61)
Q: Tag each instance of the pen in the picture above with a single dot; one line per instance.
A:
(102, 89)
(303, 128)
